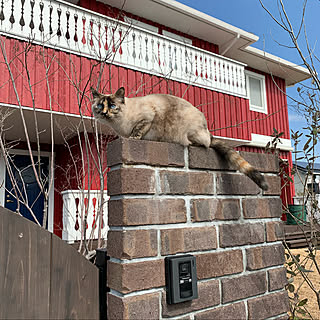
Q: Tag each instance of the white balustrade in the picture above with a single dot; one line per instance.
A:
(81, 204)
(67, 27)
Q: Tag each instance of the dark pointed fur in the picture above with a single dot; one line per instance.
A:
(242, 165)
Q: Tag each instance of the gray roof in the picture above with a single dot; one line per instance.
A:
(302, 165)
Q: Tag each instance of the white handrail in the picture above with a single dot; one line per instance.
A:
(70, 28)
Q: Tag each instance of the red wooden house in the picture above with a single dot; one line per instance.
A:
(53, 51)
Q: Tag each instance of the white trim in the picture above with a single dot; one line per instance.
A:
(51, 193)
(46, 111)
(259, 140)
(233, 142)
(304, 72)
(262, 79)
(199, 16)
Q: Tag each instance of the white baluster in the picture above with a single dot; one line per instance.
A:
(99, 36)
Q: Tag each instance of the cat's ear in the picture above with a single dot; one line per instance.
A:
(120, 93)
(95, 93)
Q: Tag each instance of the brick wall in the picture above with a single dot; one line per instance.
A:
(167, 200)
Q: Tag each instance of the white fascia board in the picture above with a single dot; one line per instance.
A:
(276, 59)
(259, 140)
(232, 142)
(198, 15)
(185, 19)
(269, 63)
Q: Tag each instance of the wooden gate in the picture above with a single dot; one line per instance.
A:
(42, 277)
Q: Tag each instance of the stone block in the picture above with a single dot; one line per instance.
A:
(235, 184)
(174, 182)
(131, 181)
(203, 158)
(266, 256)
(216, 264)
(232, 235)
(243, 287)
(262, 208)
(134, 212)
(135, 276)
(268, 306)
(129, 244)
(188, 240)
(277, 278)
(215, 209)
(142, 307)
(131, 151)
(262, 161)
(275, 231)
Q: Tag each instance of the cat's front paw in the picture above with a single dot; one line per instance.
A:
(136, 137)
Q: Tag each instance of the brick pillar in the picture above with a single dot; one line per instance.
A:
(167, 200)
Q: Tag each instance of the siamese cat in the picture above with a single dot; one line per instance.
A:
(167, 118)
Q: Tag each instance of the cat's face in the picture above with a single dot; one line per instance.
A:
(107, 107)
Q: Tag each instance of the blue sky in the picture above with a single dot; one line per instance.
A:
(250, 16)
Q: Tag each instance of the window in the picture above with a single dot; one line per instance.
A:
(176, 37)
(256, 91)
(142, 25)
(313, 187)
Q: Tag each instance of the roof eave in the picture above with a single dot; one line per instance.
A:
(269, 63)
(198, 24)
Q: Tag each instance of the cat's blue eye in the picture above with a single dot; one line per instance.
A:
(113, 106)
(100, 106)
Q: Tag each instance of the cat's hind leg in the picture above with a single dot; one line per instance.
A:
(140, 129)
(200, 138)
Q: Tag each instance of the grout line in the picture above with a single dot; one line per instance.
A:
(186, 159)
(194, 224)
(157, 183)
(188, 211)
(218, 250)
(246, 308)
(194, 196)
(159, 243)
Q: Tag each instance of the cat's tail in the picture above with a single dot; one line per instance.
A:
(240, 164)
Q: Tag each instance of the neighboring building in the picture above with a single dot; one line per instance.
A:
(307, 187)
(306, 178)
(150, 47)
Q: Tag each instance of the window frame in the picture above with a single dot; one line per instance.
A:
(140, 24)
(262, 80)
(177, 37)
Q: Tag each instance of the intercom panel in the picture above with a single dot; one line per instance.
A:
(181, 278)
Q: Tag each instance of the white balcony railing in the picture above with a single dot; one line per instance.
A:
(78, 205)
(70, 28)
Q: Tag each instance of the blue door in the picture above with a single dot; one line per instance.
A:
(23, 185)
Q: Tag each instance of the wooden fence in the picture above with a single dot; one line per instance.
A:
(42, 277)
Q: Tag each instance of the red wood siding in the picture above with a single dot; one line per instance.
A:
(277, 116)
(227, 116)
(73, 173)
